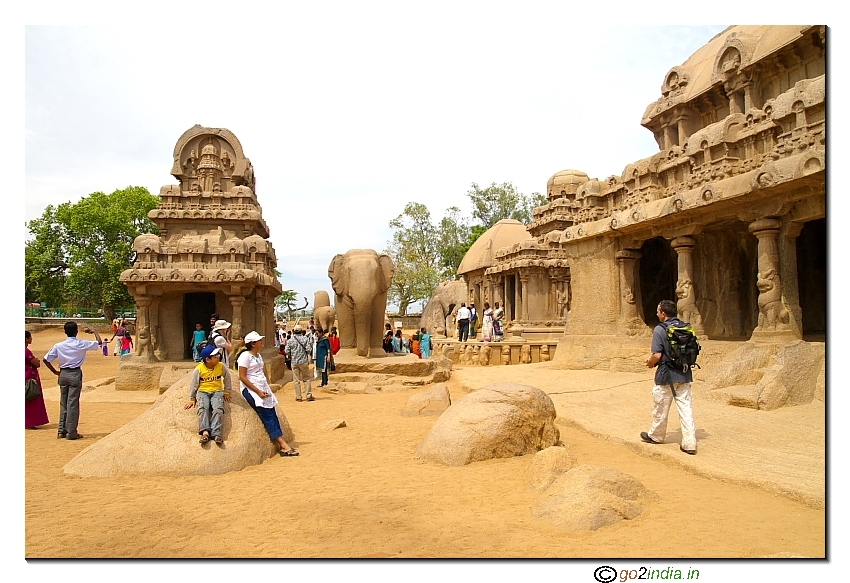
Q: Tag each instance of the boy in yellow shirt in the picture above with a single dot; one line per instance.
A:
(210, 381)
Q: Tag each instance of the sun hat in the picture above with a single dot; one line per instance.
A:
(298, 328)
(221, 325)
(210, 350)
(253, 336)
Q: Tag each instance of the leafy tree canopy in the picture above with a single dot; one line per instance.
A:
(502, 201)
(78, 250)
(425, 253)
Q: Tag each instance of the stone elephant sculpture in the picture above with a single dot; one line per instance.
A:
(360, 279)
(323, 312)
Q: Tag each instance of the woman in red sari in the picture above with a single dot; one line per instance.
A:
(35, 413)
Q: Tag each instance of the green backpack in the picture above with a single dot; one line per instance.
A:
(684, 348)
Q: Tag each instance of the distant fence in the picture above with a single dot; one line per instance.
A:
(74, 312)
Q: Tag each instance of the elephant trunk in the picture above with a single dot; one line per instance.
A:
(363, 330)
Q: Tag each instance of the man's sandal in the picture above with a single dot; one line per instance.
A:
(218, 439)
(204, 439)
(289, 453)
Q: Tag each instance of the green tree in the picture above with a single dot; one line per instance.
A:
(79, 250)
(456, 236)
(414, 249)
(45, 267)
(502, 201)
(287, 302)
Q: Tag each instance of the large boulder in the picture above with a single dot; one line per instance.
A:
(549, 464)
(497, 420)
(430, 402)
(590, 497)
(163, 441)
(447, 297)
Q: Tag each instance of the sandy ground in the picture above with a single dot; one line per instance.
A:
(360, 492)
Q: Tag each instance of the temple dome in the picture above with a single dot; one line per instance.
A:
(482, 254)
(700, 71)
(565, 183)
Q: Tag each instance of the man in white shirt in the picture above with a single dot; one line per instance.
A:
(463, 323)
(71, 354)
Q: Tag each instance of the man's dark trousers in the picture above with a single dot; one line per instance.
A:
(463, 333)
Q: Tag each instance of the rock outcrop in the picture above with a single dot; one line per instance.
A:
(549, 464)
(430, 402)
(495, 421)
(590, 497)
(163, 441)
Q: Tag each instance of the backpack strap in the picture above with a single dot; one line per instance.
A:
(665, 355)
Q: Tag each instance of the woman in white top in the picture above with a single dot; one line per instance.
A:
(487, 326)
(258, 393)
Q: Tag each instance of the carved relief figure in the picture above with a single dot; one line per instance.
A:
(226, 164)
(144, 350)
(506, 354)
(544, 353)
(189, 165)
(476, 354)
(525, 354)
(484, 358)
(561, 300)
(687, 304)
(771, 310)
(360, 279)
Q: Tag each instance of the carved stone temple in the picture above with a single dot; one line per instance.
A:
(212, 254)
(728, 218)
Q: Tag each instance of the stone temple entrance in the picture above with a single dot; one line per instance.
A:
(657, 270)
(197, 307)
(811, 275)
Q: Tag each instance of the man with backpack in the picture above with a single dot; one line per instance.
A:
(673, 376)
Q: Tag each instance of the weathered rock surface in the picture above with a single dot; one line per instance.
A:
(766, 376)
(430, 402)
(549, 464)
(497, 420)
(590, 497)
(333, 424)
(138, 375)
(163, 441)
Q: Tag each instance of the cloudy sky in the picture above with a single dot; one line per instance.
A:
(345, 117)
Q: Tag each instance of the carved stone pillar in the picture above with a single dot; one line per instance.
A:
(790, 279)
(681, 129)
(159, 349)
(259, 311)
(514, 299)
(236, 303)
(629, 315)
(685, 288)
(144, 347)
(734, 106)
(523, 278)
(774, 317)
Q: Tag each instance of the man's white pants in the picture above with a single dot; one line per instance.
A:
(663, 398)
